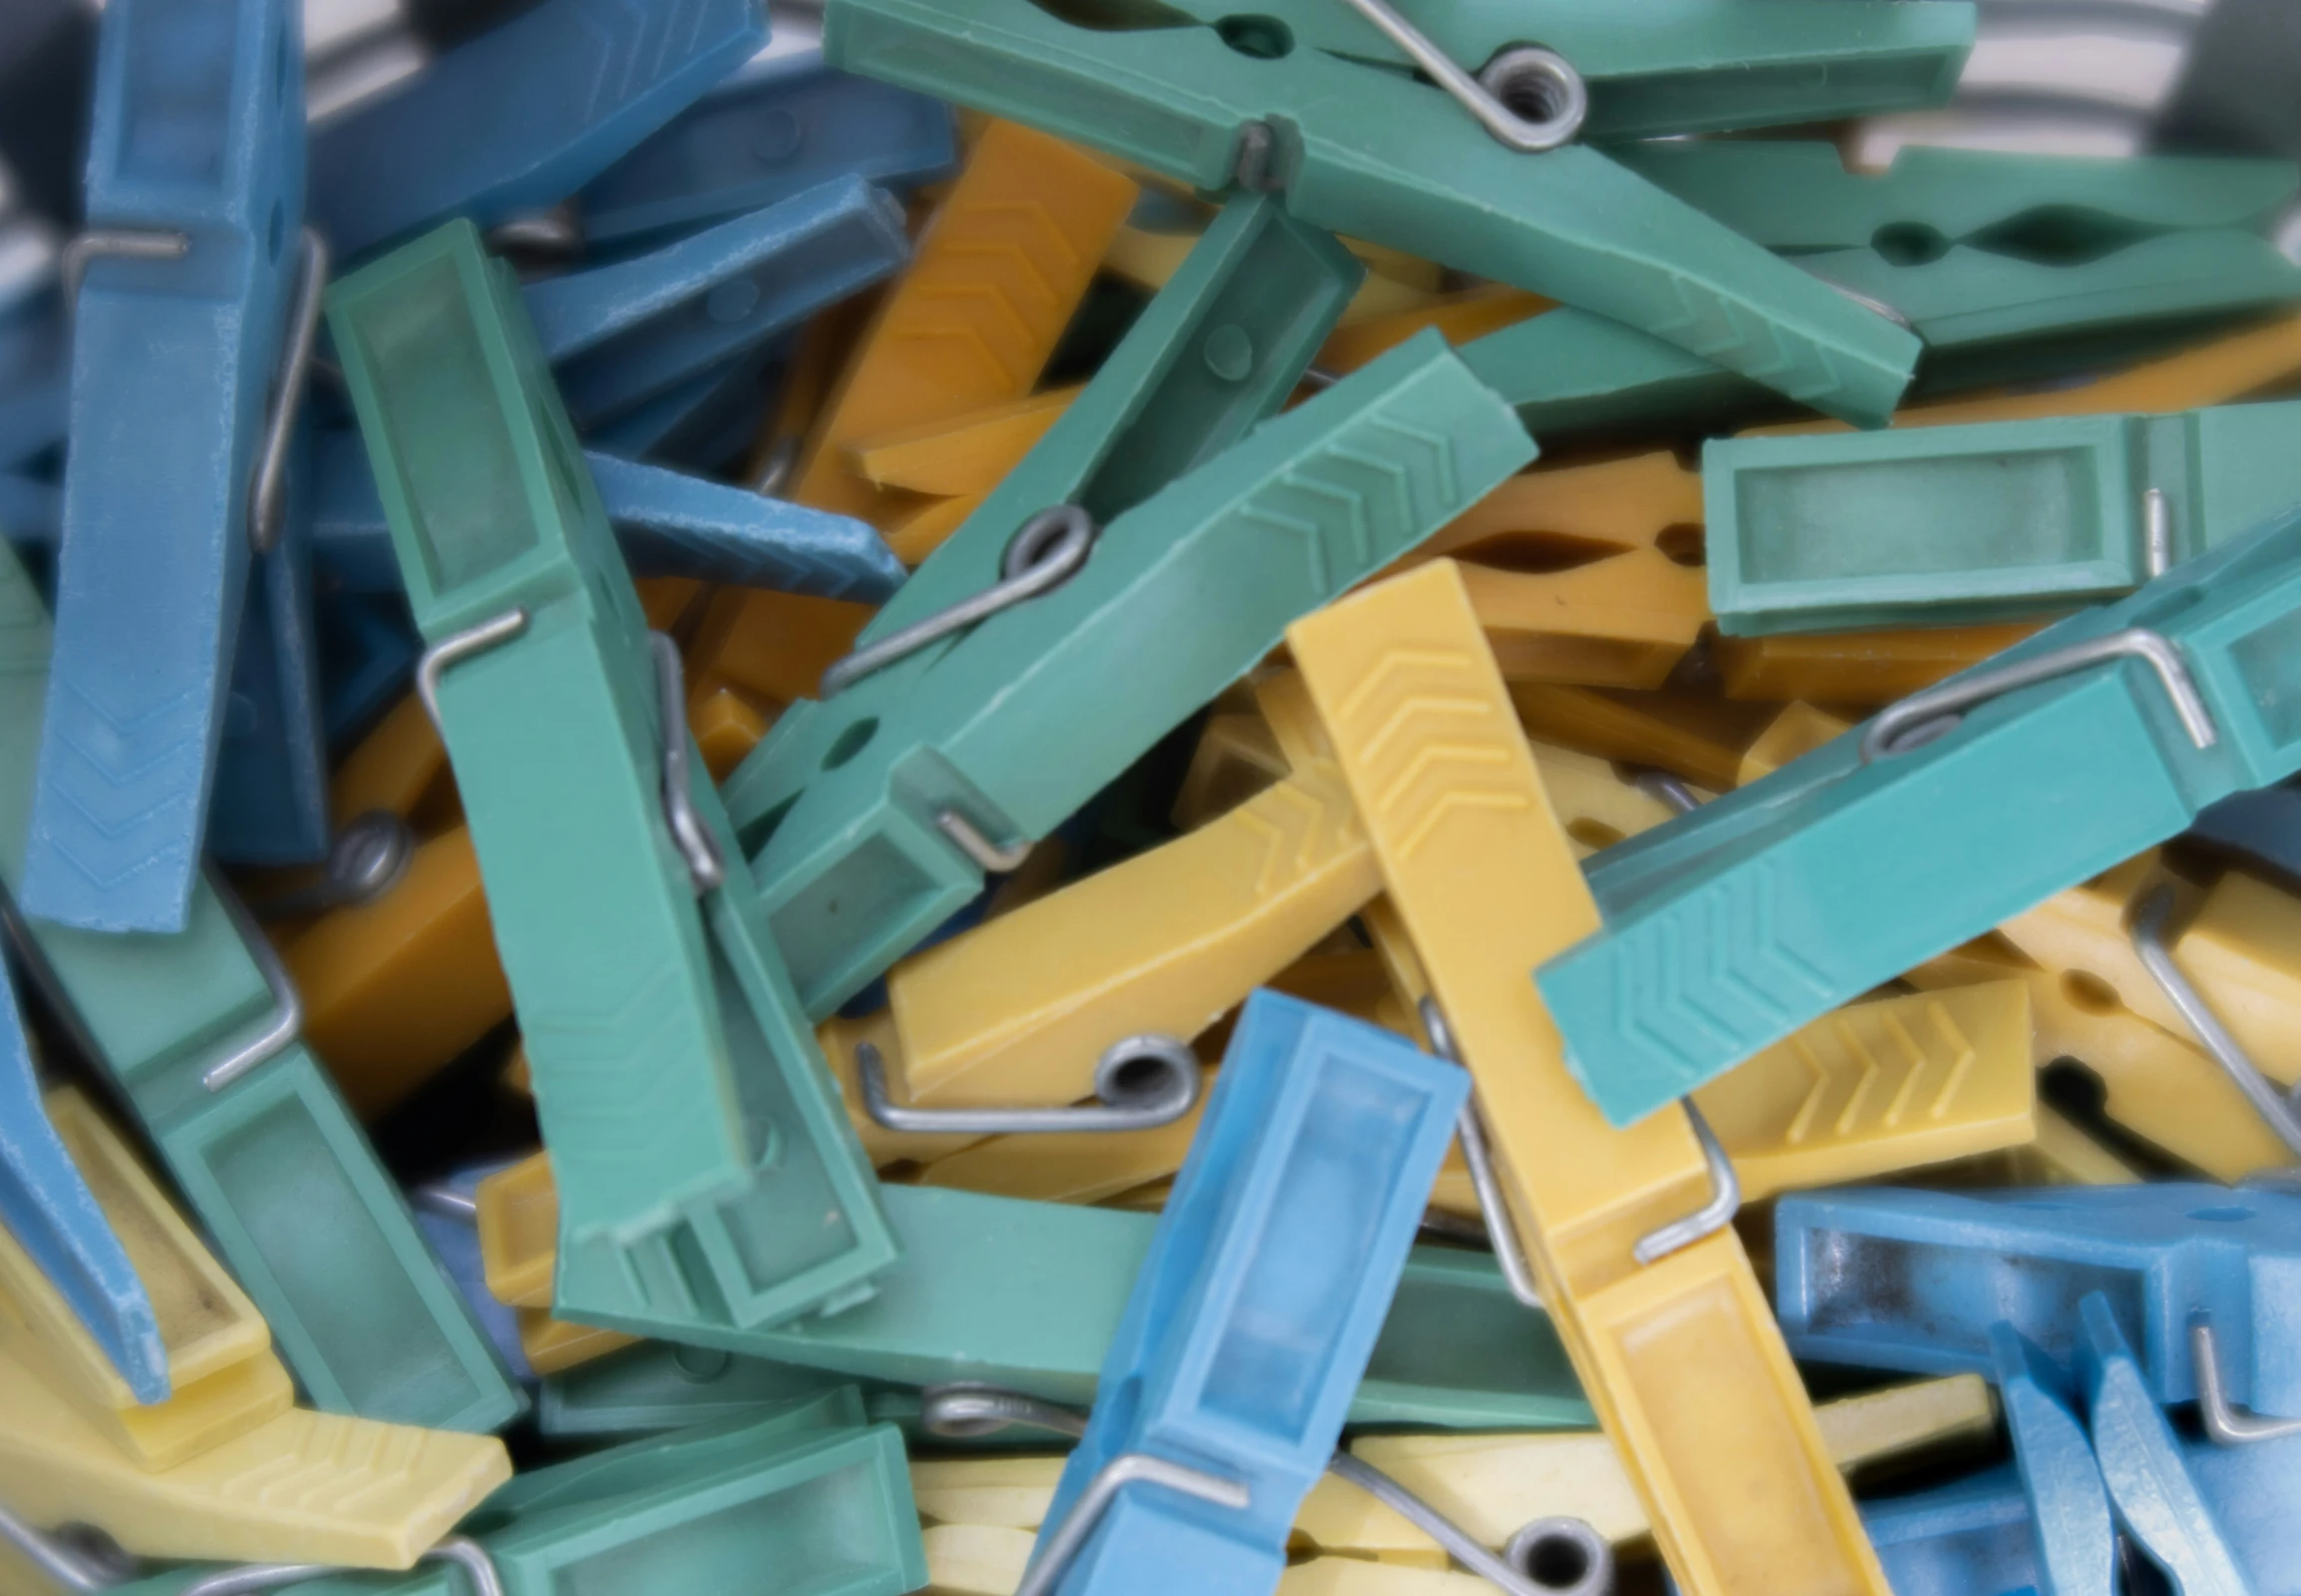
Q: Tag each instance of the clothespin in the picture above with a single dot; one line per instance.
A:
(620, 335)
(2025, 1258)
(2157, 1501)
(2016, 517)
(521, 116)
(35, 367)
(1001, 709)
(367, 654)
(200, 1032)
(2248, 1487)
(2090, 692)
(1216, 353)
(2069, 1503)
(171, 1480)
(447, 1212)
(667, 524)
(1627, 1232)
(826, 1505)
(194, 295)
(1865, 668)
(1005, 260)
(1975, 1534)
(1369, 152)
(1981, 251)
(63, 1233)
(1796, 732)
(766, 135)
(1027, 1295)
(657, 1386)
(2260, 829)
(1320, 1144)
(452, 389)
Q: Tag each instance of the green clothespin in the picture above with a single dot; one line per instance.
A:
(806, 1505)
(1944, 526)
(2006, 264)
(198, 1031)
(686, 1105)
(1028, 1294)
(1358, 146)
(1092, 655)
(1217, 351)
(661, 1385)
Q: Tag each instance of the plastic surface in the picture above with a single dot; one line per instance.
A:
(1621, 622)
(221, 1376)
(1955, 1540)
(1378, 156)
(521, 116)
(1255, 1313)
(452, 394)
(1680, 1356)
(767, 135)
(2069, 1503)
(272, 1166)
(2158, 1503)
(1219, 350)
(661, 1386)
(1748, 871)
(622, 334)
(61, 1230)
(1021, 719)
(172, 367)
(1890, 1084)
(1028, 1294)
(1913, 1279)
(667, 522)
(1957, 525)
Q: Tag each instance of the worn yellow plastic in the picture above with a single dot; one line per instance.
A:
(770, 646)
(1147, 260)
(1620, 622)
(399, 768)
(223, 1380)
(1461, 317)
(2242, 949)
(301, 1487)
(1018, 1010)
(1492, 1485)
(1680, 1358)
(1857, 667)
(1796, 732)
(2155, 1085)
(2060, 1153)
(1687, 737)
(725, 731)
(975, 1559)
(1356, 1576)
(518, 1224)
(1561, 513)
(553, 1345)
(1595, 804)
(395, 988)
(1890, 1084)
(917, 533)
(1236, 758)
(2083, 932)
(959, 455)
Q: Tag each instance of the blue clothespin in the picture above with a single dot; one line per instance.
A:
(46, 1205)
(618, 335)
(2077, 1545)
(2253, 1491)
(1913, 1279)
(667, 524)
(368, 647)
(1731, 927)
(1252, 1317)
(447, 1212)
(183, 293)
(520, 118)
(31, 512)
(1971, 1538)
(2157, 1501)
(705, 421)
(768, 134)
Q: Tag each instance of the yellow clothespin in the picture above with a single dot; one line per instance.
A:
(1857, 666)
(1797, 730)
(225, 1470)
(1625, 621)
(518, 1223)
(1695, 738)
(1625, 1229)
(1558, 513)
(551, 1345)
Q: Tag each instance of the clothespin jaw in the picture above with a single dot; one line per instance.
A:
(1402, 165)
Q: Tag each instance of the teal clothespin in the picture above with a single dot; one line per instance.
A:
(1364, 149)
(661, 1385)
(1216, 353)
(684, 1100)
(1944, 526)
(1028, 1296)
(2008, 266)
(807, 1498)
(1971, 801)
(1099, 645)
(198, 1031)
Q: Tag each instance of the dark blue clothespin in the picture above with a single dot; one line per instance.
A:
(521, 118)
(195, 296)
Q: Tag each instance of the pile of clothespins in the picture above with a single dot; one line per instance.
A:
(1117, 797)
